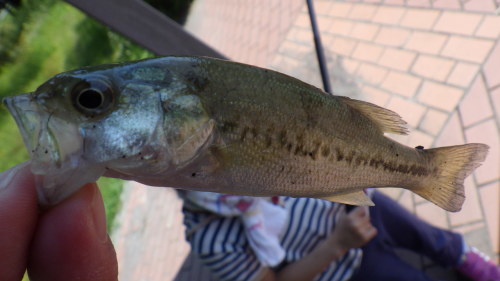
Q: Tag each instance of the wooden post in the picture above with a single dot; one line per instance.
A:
(145, 26)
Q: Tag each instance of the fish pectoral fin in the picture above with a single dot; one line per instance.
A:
(386, 120)
(358, 198)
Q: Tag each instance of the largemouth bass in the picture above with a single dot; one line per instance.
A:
(213, 125)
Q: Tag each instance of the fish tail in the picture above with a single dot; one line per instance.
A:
(454, 164)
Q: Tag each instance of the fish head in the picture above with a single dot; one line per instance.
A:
(126, 120)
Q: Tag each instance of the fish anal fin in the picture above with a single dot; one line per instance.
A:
(386, 120)
(358, 198)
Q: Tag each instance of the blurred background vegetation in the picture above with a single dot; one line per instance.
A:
(40, 38)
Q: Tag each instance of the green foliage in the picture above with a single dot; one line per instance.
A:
(40, 39)
(10, 33)
(91, 33)
(12, 26)
(111, 190)
(12, 152)
(32, 64)
(41, 47)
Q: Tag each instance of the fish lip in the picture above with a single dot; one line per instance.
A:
(24, 125)
(9, 104)
(59, 167)
(32, 121)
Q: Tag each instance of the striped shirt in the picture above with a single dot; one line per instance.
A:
(221, 244)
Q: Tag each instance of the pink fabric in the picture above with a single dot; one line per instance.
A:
(264, 220)
(479, 267)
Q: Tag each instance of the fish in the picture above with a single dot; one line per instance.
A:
(205, 124)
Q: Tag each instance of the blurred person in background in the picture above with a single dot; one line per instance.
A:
(285, 238)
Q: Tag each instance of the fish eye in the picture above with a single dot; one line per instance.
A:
(92, 97)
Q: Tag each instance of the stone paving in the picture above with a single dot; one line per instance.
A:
(436, 63)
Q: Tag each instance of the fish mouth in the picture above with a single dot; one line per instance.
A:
(55, 145)
(26, 118)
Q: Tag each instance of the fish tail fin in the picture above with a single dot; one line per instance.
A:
(454, 164)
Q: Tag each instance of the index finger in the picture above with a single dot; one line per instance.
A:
(18, 216)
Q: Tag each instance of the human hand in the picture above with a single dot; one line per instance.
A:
(353, 230)
(66, 242)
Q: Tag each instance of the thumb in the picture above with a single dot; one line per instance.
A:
(71, 242)
(18, 218)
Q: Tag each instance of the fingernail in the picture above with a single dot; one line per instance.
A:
(99, 215)
(6, 177)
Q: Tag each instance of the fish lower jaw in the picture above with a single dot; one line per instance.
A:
(54, 184)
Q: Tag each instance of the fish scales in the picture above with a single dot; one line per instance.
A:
(214, 125)
(285, 128)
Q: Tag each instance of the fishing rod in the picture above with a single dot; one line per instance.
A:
(320, 54)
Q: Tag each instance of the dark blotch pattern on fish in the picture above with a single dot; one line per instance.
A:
(244, 133)
(356, 160)
(298, 148)
(310, 107)
(340, 155)
(268, 136)
(350, 157)
(401, 168)
(198, 82)
(325, 151)
(316, 151)
(301, 149)
(229, 127)
(283, 139)
(268, 141)
(254, 131)
(359, 160)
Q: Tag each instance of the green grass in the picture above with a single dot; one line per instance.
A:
(41, 39)
(111, 190)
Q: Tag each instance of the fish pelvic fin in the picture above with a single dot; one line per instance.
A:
(358, 198)
(454, 164)
(386, 120)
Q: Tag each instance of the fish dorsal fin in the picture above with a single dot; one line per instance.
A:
(357, 198)
(386, 120)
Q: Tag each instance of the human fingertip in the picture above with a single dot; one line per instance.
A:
(98, 214)
(72, 243)
(7, 177)
(18, 216)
